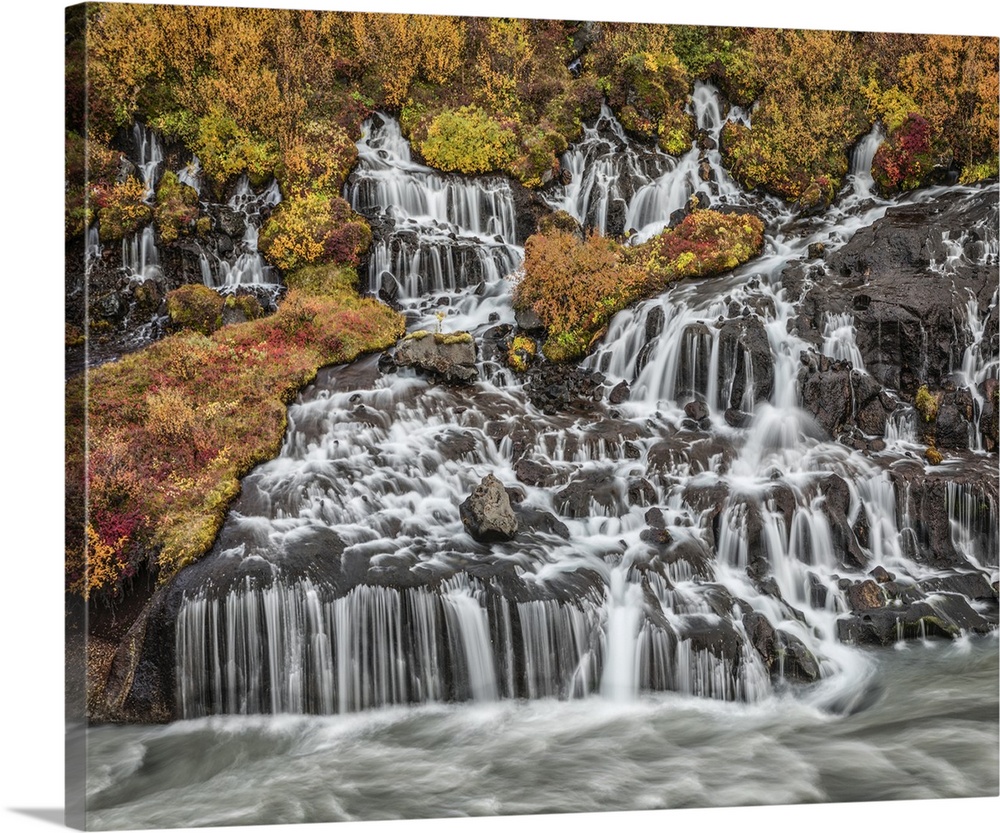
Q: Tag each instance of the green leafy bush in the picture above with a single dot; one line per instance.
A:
(468, 140)
(226, 149)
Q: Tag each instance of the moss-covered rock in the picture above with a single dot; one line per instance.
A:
(195, 307)
(521, 353)
(927, 403)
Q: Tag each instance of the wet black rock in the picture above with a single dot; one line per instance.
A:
(451, 356)
(487, 514)
(619, 393)
(740, 339)
(955, 419)
(533, 473)
(589, 492)
(558, 388)
(947, 614)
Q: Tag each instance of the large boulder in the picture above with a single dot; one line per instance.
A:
(487, 514)
(452, 356)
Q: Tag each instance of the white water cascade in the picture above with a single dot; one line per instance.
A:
(717, 553)
(452, 240)
(245, 265)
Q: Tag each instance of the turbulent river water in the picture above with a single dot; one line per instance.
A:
(928, 729)
(677, 621)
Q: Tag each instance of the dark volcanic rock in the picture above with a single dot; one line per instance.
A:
(740, 339)
(451, 356)
(589, 491)
(954, 424)
(487, 514)
(904, 313)
(556, 388)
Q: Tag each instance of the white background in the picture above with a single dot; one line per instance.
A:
(31, 326)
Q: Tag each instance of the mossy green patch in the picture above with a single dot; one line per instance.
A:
(195, 307)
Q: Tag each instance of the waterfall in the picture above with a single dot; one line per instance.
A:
(839, 341)
(140, 256)
(978, 364)
(246, 265)
(450, 241)
(190, 174)
(93, 249)
(610, 177)
(148, 156)
(703, 536)
(862, 156)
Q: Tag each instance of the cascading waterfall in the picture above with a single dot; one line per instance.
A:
(862, 157)
(614, 187)
(657, 554)
(248, 266)
(140, 256)
(978, 364)
(148, 156)
(452, 240)
(241, 266)
(839, 341)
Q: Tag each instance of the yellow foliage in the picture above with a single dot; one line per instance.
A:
(170, 415)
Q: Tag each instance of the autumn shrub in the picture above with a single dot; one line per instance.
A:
(120, 208)
(575, 286)
(539, 157)
(468, 140)
(176, 209)
(173, 427)
(908, 155)
(647, 85)
(318, 159)
(313, 227)
(705, 242)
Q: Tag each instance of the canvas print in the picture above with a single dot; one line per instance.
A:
(480, 416)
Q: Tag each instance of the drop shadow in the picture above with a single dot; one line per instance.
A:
(53, 815)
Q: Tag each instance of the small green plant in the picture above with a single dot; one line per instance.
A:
(926, 404)
(521, 353)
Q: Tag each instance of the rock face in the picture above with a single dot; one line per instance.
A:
(451, 356)
(487, 514)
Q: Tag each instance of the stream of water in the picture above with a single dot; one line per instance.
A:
(929, 730)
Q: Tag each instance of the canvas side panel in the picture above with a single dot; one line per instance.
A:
(75, 506)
